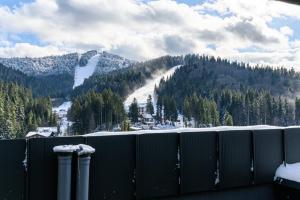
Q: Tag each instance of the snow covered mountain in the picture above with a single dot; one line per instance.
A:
(53, 65)
(50, 65)
(108, 62)
(93, 62)
(88, 64)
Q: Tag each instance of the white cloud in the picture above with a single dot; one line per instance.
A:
(26, 49)
(140, 30)
(286, 30)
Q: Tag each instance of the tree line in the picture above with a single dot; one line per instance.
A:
(236, 92)
(96, 111)
(21, 113)
(233, 108)
(59, 85)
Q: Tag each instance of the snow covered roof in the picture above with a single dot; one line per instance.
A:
(147, 116)
(42, 131)
(31, 133)
(35, 133)
(47, 129)
(135, 128)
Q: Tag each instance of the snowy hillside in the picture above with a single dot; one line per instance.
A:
(66, 63)
(142, 93)
(93, 62)
(62, 112)
(85, 57)
(43, 66)
(109, 62)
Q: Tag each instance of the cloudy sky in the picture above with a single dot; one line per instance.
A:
(256, 31)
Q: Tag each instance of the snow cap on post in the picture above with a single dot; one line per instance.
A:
(65, 148)
(80, 149)
(84, 149)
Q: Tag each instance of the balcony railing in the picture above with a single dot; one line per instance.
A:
(205, 162)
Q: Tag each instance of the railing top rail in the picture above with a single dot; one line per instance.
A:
(188, 130)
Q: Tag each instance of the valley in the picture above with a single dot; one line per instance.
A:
(162, 93)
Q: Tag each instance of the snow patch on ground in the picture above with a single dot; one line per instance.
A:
(64, 124)
(62, 109)
(289, 172)
(82, 73)
(62, 112)
(142, 93)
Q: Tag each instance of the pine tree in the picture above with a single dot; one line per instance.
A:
(134, 111)
(187, 109)
(297, 111)
(159, 108)
(20, 112)
(149, 106)
(96, 110)
(228, 119)
(214, 114)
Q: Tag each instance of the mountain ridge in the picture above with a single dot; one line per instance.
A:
(56, 76)
(61, 64)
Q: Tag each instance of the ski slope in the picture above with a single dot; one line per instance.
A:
(142, 93)
(82, 73)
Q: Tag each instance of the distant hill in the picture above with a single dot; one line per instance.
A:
(205, 75)
(206, 87)
(49, 65)
(65, 64)
(124, 81)
(59, 85)
(54, 75)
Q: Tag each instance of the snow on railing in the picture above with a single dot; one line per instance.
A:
(187, 130)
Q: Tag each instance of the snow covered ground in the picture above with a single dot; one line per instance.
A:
(142, 93)
(62, 109)
(84, 72)
(62, 112)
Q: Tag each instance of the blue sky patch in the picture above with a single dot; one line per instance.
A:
(14, 3)
(23, 38)
(291, 22)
